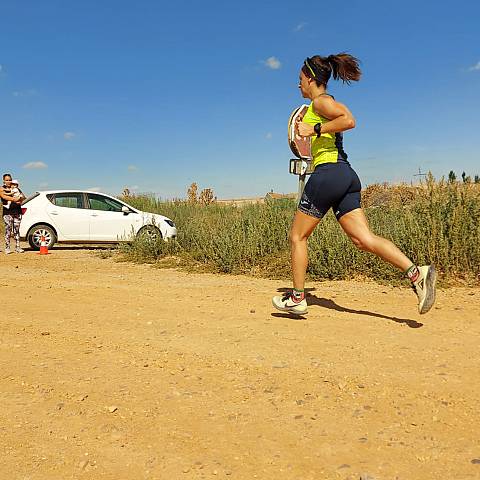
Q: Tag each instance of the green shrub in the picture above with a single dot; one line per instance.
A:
(439, 224)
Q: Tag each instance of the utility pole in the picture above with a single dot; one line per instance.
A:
(420, 173)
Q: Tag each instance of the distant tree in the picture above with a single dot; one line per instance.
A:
(206, 196)
(466, 178)
(477, 179)
(452, 177)
(192, 193)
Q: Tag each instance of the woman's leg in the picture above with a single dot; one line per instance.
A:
(302, 227)
(8, 220)
(423, 279)
(16, 232)
(355, 225)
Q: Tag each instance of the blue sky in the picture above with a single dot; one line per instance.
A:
(154, 95)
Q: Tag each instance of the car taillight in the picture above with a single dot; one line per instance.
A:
(23, 210)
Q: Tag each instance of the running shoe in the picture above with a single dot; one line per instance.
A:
(285, 303)
(424, 287)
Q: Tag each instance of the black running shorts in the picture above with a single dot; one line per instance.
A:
(331, 185)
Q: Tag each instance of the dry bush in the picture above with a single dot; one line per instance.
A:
(192, 193)
(383, 194)
(206, 197)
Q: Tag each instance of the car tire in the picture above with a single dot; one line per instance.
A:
(35, 233)
(149, 231)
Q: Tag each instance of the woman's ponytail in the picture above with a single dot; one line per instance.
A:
(341, 66)
(345, 67)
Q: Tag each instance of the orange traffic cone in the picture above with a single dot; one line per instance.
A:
(43, 246)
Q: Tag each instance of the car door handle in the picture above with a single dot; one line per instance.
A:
(94, 215)
(53, 213)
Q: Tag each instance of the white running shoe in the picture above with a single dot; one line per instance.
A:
(19, 250)
(424, 287)
(286, 304)
(7, 251)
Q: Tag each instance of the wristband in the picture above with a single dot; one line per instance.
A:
(318, 129)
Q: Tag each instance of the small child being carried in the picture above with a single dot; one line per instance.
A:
(14, 192)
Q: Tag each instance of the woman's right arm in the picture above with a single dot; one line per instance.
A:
(5, 196)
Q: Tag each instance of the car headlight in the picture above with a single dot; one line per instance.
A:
(169, 222)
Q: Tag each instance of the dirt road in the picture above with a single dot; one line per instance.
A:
(118, 371)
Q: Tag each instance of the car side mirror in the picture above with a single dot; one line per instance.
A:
(125, 210)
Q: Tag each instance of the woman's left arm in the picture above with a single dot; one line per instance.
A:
(22, 197)
(339, 117)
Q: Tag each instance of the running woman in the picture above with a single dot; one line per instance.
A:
(334, 184)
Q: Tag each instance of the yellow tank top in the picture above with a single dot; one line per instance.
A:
(328, 148)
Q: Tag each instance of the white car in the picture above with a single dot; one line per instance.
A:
(73, 216)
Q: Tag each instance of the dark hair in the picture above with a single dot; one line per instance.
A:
(6, 175)
(342, 66)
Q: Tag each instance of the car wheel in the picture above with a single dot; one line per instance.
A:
(35, 234)
(149, 231)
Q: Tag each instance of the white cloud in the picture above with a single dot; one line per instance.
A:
(268, 136)
(69, 135)
(94, 189)
(35, 165)
(300, 26)
(25, 93)
(273, 63)
(475, 67)
(132, 168)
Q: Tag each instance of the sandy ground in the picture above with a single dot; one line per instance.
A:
(118, 371)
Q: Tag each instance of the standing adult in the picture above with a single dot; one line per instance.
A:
(334, 184)
(12, 216)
